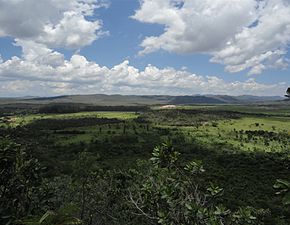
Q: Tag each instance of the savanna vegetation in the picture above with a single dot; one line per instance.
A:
(205, 164)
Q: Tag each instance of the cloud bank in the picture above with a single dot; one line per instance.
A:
(248, 35)
(51, 74)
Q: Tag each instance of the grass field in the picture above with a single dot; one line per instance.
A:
(267, 110)
(90, 134)
(232, 133)
(21, 120)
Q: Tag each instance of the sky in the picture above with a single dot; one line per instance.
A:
(144, 47)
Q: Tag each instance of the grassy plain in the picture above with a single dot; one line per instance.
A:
(214, 130)
(232, 133)
(21, 120)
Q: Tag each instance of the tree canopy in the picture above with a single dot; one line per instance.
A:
(288, 93)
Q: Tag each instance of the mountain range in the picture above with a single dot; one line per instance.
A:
(116, 100)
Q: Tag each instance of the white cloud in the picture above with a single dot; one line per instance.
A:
(39, 53)
(45, 72)
(53, 23)
(248, 34)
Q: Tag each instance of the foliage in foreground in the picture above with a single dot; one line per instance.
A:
(168, 193)
(19, 182)
(283, 188)
(162, 190)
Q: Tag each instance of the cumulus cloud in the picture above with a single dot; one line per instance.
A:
(53, 23)
(248, 34)
(48, 73)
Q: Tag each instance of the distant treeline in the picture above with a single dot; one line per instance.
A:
(58, 124)
(18, 108)
(73, 108)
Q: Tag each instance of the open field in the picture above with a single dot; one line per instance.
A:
(21, 120)
(238, 133)
(258, 109)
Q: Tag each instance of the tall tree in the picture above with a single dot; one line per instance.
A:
(288, 93)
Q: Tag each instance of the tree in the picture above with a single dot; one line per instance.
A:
(288, 93)
(19, 182)
(83, 169)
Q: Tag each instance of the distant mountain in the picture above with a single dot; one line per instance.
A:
(258, 98)
(117, 100)
(183, 100)
(47, 98)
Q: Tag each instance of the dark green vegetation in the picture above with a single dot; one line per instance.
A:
(60, 165)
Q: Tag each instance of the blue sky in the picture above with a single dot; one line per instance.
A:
(126, 35)
(120, 40)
